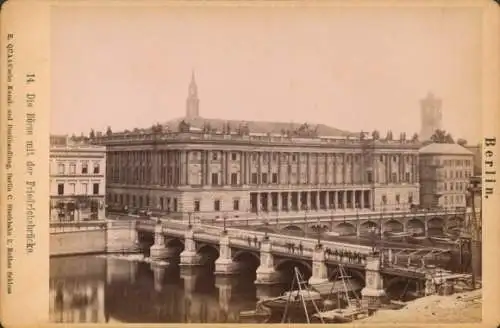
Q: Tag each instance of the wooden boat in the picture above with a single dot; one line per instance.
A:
(294, 304)
(345, 315)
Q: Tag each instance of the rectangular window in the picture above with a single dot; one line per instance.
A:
(60, 168)
(85, 167)
(394, 177)
(234, 156)
(410, 198)
(72, 168)
(407, 176)
(72, 188)
(398, 199)
(236, 204)
(60, 188)
(96, 168)
(275, 177)
(254, 178)
(217, 205)
(234, 178)
(215, 179)
(196, 205)
(445, 186)
(215, 156)
(384, 199)
(84, 189)
(95, 189)
(264, 177)
(175, 204)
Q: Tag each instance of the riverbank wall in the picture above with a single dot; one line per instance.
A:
(78, 239)
(92, 238)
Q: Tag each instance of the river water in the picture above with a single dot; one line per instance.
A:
(99, 289)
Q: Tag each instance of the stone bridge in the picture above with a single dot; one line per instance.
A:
(273, 255)
(424, 223)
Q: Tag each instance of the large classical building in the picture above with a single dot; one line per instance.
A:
(431, 116)
(217, 168)
(445, 172)
(77, 181)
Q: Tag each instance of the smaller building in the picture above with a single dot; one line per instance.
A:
(77, 181)
(445, 172)
(478, 160)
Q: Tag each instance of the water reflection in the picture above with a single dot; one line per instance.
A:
(97, 289)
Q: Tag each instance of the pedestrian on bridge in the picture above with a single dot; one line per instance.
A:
(301, 247)
(255, 240)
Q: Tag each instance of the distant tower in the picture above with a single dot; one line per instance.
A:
(431, 116)
(192, 101)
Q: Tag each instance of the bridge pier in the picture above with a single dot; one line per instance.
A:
(224, 265)
(266, 273)
(159, 250)
(373, 295)
(189, 256)
(319, 269)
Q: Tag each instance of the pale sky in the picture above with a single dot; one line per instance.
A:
(352, 68)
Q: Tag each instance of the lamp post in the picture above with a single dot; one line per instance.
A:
(189, 220)
(224, 222)
(319, 232)
(305, 221)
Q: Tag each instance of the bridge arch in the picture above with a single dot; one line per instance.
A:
(345, 229)
(146, 240)
(393, 226)
(293, 229)
(415, 226)
(321, 228)
(246, 255)
(401, 288)
(208, 254)
(285, 266)
(435, 226)
(334, 273)
(367, 226)
(177, 242)
(455, 221)
(248, 262)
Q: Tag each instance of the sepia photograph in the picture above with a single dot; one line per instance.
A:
(285, 162)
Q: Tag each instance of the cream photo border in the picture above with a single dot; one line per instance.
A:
(25, 25)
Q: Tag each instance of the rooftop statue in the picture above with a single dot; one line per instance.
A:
(206, 128)
(184, 126)
(306, 131)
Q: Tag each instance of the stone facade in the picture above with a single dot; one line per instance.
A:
(245, 169)
(77, 181)
(445, 172)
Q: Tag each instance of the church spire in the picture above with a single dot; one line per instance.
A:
(192, 102)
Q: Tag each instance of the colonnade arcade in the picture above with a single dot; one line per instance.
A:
(310, 200)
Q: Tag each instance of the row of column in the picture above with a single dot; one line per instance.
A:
(353, 167)
(310, 200)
